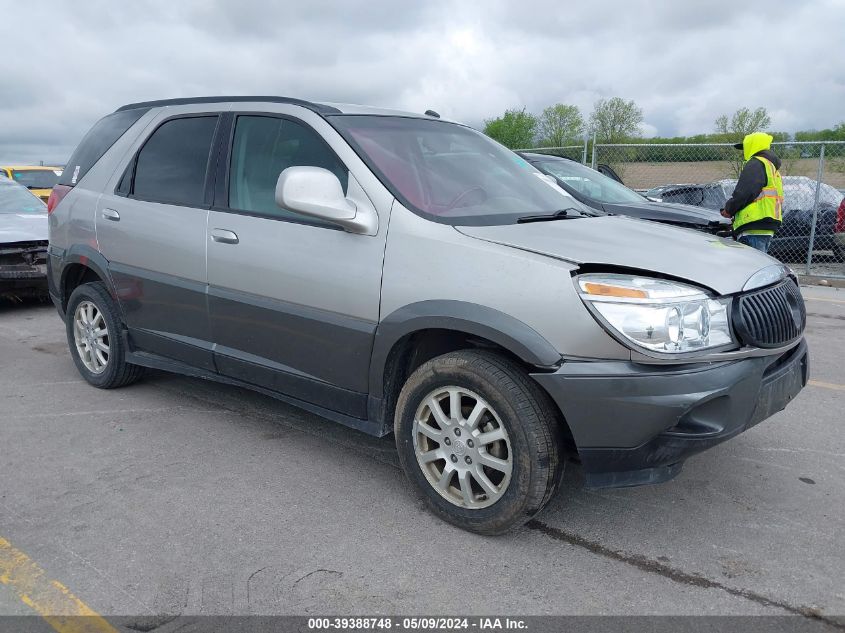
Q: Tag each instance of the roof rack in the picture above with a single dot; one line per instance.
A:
(316, 107)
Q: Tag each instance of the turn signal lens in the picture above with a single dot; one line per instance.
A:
(606, 290)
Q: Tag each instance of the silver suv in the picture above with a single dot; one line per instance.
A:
(396, 272)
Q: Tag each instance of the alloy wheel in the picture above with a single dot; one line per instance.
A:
(91, 337)
(462, 447)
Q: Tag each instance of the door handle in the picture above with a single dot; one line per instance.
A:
(110, 214)
(224, 236)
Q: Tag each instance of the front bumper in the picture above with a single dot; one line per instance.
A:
(23, 268)
(635, 424)
(16, 278)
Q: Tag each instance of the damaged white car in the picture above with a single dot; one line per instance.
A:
(23, 242)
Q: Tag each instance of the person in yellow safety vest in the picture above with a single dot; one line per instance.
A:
(756, 206)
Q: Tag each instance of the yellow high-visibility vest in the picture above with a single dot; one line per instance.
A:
(769, 204)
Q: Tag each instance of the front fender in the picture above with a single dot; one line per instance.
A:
(459, 316)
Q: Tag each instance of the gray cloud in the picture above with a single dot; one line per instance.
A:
(683, 63)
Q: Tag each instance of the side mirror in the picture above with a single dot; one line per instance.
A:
(316, 192)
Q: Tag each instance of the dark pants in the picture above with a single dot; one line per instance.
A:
(760, 242)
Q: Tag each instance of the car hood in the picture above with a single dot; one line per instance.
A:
(23, 227)
(669, 212)
(713, 262)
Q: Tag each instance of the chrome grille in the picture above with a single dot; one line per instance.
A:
(770, 317)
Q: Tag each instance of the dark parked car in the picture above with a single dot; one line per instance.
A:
(792, 240)
(598, 191)
(23, 241)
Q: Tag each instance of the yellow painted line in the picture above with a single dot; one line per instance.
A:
(49, 598)
(826, 300)
(826, 385)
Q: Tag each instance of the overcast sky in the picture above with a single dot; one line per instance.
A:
(69, 63)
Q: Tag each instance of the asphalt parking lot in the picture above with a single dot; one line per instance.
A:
(180, 496)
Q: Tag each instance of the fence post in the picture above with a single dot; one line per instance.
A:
(815, 210)
(594, 151)
(584, 158)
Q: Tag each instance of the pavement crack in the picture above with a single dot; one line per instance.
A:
(251, 576)
(676, 575)
(317, 571)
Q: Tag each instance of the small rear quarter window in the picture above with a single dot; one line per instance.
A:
(97, 142)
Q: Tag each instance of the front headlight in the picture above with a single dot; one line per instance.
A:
(658, 315)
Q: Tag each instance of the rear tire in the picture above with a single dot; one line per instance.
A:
(496, 460)
(94, 329)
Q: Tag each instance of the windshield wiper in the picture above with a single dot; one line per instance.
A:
(592, 213)
(562, 214)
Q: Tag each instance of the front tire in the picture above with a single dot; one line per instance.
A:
(94, 337)
(479, 440)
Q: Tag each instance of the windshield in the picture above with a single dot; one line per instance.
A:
(589, 182)
(451, 173)
(15, 199)
(36, 178)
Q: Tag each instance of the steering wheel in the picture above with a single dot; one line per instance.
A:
(459, 198)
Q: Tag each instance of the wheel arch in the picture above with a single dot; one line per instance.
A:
(418, 332)
(83, 264)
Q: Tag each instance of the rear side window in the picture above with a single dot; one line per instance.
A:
(97, 142)
(172, 165)
(263, 148)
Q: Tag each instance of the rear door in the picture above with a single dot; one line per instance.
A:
(152, 229)
(293, 302)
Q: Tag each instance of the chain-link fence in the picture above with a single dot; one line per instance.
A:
(812, 234)
(811, 237)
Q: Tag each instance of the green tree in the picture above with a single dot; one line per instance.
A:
(515, 129)
(615, 120)
(836, 134)
(835, 153)
(560, 125)
(744, 121)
